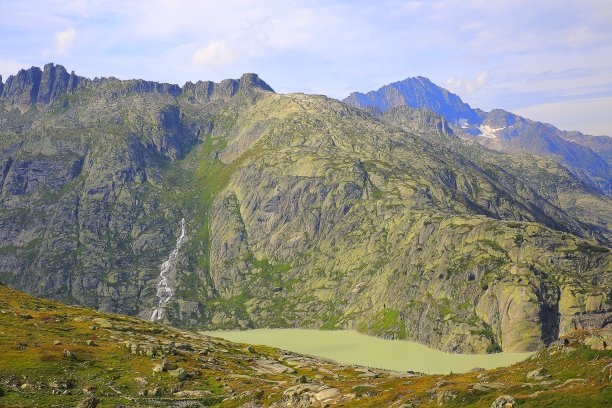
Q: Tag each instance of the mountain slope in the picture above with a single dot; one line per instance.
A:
(551, 180)
(57, 355)
(299, 211)
(498, 129)
(602, 145)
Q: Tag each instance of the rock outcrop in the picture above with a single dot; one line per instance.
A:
(35, 86)
(141, 363)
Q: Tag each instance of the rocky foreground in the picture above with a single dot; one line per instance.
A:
(52, 355)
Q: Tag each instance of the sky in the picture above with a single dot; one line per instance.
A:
(547, 60)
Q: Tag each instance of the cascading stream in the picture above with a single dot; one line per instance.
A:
(164, 290)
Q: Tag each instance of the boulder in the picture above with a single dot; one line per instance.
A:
(327, 394)
(165, 365)
(537, 374)
(598, 342)
(180, 374)
(504, 401)
(104, 323)
(486, 387)
(88, 402)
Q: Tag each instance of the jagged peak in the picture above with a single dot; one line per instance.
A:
(34, 85)
(418, 79)
(417, 92)
(31, 86)
(209, 90)
(253, 80)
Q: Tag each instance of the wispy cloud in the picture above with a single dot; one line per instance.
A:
(468, 85)
(64, 40)
(215, 55)
(10, 67)
(587, 115)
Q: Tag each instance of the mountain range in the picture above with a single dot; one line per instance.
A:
(226, 205)
(587, 156)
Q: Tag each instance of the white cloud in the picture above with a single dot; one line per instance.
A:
(468, 85)
(402, 6)
(292, 31)
(64, 40)
(215, 55)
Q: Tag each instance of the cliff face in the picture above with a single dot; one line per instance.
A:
(34, 85)
(299, 211)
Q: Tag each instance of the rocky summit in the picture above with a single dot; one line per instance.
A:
(226, 205)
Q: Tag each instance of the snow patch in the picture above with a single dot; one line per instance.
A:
(488, 131)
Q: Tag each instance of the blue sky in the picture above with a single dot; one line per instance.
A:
(547, 60)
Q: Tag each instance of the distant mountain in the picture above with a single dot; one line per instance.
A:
(588, 156)
(420, 120)
(602, 145)
(416, 92)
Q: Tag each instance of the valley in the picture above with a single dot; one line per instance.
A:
(299, 211)
(305, 204)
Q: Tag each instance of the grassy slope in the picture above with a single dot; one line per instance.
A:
(35, 372)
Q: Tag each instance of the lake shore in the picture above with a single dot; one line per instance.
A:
(349, 347)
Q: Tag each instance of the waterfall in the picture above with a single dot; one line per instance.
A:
(164, 290)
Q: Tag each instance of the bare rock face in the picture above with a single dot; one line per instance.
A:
(54, 82)
(517, 308)
(22, 89)
(36, 86)
(300, 211)
(207, 91)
